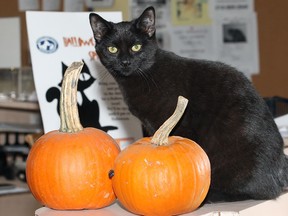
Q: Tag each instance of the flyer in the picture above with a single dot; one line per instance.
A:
(191, 12)
(236, 40)
(59, 39)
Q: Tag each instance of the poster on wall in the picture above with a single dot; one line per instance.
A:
(236, 41)
(57, 41)
(219, 30)
(191, 31)
(191, 12)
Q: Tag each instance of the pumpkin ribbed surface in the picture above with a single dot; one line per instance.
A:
(162, 180)
(70, 171)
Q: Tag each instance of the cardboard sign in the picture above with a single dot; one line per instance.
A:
(56, 40)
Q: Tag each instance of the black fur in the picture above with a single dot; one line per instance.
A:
(225, 115)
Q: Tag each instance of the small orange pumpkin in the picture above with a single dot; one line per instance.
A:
(162, 175)
(68, 168)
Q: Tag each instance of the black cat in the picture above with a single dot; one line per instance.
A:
(89, 110)
(225, 115)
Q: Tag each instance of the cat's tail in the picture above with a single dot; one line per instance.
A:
(53, 93)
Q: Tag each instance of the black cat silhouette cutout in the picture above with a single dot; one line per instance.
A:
(89, 111)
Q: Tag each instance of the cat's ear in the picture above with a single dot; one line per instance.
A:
(99, 26)
(146, 22)
(64, 68)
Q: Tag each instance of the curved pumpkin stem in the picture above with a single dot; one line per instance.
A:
(161, 135)
(69, 115)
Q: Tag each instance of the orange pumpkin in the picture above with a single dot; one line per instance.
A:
(162, 175)
(68, 168)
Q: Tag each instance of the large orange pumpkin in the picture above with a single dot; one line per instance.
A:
(162, 175)
(68, 168)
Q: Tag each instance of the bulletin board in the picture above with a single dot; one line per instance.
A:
(273, 46)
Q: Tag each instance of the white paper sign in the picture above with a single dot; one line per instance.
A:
(60, 39)
(10, 43)
(73, 5)
(51, 5)
(237, 44)
(24, 5)
(193, 42)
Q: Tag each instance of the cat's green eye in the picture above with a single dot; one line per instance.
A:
(136, 47)
(112, 49)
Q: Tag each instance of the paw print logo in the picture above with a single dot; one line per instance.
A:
(47, 44)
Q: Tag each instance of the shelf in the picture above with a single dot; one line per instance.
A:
(20, 128)
(19, 105)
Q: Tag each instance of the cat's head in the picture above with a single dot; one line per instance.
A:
(125, 48)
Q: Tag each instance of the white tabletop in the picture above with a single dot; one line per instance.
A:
(278, 207)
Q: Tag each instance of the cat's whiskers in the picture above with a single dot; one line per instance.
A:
(147, 77)
(103, 74)
(153, 81)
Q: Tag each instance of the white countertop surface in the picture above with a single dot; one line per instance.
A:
(278, 207)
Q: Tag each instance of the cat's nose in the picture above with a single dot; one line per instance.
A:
(125, 63)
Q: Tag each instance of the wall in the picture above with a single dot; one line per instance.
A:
(273, 44)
